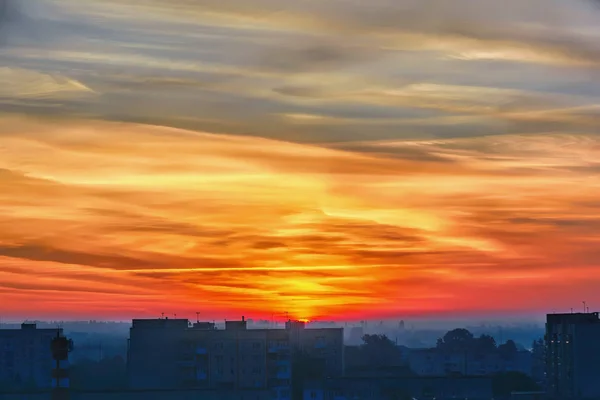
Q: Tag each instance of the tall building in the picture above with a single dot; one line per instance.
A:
(172, 353)
(573, 356)
(26, 358)
(167, 353)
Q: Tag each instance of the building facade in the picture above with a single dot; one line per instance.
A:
(26, 358)
(573, 356)
(426, 388)
(165, 354)
(324, 344)
(172, 353)
(436, 362)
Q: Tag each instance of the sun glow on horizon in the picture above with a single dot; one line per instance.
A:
(273, 246)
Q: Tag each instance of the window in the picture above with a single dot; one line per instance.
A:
(256, 345)
(313, 395)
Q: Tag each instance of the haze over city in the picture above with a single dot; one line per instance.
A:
(333, 160)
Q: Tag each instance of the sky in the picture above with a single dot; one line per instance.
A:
(330, 159)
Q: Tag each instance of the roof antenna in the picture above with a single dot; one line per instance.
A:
(197, 316)
(162, 315)
(584, 306)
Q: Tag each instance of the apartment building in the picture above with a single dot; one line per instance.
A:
(26, 358)
(167, 353)
(173, 353)
(573, 356)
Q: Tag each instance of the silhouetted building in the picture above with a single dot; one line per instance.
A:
(573, 356)
(167, 354)
(145, 394)
(538, 362)
(325, 344)
(171, 353)
(426, 388)
(439, 362)
(26, 358)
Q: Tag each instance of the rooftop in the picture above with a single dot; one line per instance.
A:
(573, 318)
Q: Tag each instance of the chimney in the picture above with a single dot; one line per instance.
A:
(243, 319)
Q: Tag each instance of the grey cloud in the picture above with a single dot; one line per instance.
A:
(30, 287)
(184, 64)
(510, 21)
(138, 261)
(10, 16)
(36, 252)
(321, 56)
(585, 223)
(405, 153)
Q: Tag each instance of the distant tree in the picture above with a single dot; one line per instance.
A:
(380, 351)
(456, 340)
(485, 343)
(377, 340)
(508, 349)
(504, 383)
(439, 343)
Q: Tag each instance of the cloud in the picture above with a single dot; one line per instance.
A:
(26, 84)
(245, 223)
(420, 146)
(309, 71)
(514, 24)
(9, 14)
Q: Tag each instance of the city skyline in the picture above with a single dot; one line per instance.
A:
(328, 159)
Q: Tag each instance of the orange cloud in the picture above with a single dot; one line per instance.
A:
(133, 220)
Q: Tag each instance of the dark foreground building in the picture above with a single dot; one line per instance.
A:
(26, 360)
(422, 388)
(248, 364)
(573, 356)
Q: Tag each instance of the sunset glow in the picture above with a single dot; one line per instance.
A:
(210, 158)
